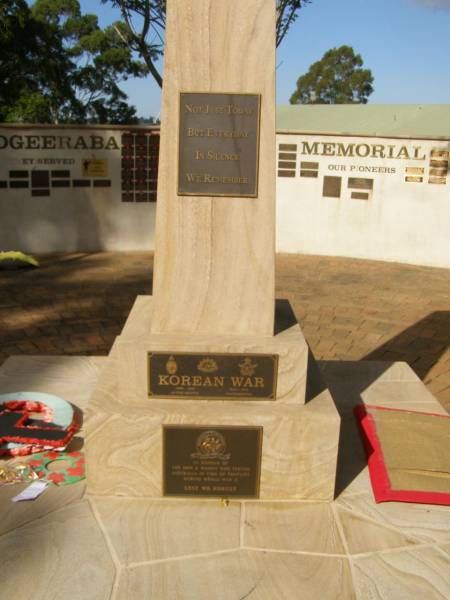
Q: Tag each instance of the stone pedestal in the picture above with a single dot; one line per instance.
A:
(300, 426)
(235, 382)
(288, 345)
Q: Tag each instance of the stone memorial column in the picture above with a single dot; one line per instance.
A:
(215, 224)
(216, 393)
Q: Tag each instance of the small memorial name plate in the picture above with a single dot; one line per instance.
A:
(214, 376)
(211, 461)
(218, 144)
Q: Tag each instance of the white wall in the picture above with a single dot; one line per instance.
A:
(70, 218)
(404, 221)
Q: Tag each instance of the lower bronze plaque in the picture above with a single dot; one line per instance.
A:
(216, 376)
(211, 461)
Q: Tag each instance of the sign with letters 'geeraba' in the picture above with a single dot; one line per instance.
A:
(218, 144)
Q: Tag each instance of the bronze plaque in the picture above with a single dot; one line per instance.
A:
(415, 170)
(438, 172)
(442, 164)
(212, 375)
(332, 186)
(211, 461)
(360, 196)
(218, 144)
(360, 183)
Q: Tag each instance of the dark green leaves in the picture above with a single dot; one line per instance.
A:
(338, 78)
(59, 66)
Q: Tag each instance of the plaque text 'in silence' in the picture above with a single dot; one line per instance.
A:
(218, 144)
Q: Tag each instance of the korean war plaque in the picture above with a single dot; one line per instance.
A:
(218, 144)
(211, 461)
(212, 375)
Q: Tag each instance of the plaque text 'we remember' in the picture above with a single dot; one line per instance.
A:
(218, 144)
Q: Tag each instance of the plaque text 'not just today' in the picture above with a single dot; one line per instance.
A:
(218, 144)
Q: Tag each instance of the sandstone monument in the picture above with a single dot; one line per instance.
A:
(215, 391)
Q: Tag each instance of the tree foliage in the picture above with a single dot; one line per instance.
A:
(144, 22)
(142, 30)
(287, 13)
(29, 56)
(338, 78)
(59, 66)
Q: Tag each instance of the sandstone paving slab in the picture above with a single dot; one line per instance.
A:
(363, 535)
(352, 473)
(410, 395)
(15, 514)
(71, 377)
(62, 556)
(422, 573)
(422, 521)
(71, 535)
(143, 530)
(344, 371)
(307, 527)
(372, 382)
(241, 574)
(354, 481)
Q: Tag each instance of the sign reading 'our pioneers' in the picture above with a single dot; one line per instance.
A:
(212, 375)
(218, 144)
(211, 461)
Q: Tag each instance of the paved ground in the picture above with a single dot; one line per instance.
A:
(348, 308)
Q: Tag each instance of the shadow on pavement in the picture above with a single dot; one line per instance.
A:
(427, 339)
(347, 380)
(73, 304)
(421, 345)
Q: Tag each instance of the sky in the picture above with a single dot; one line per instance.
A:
(405, 43)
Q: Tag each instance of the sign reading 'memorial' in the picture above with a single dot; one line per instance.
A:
(218, 144)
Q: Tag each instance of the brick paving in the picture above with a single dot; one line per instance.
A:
(349, 309)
